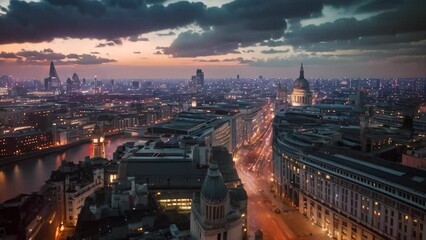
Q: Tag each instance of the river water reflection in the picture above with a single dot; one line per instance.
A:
(29, 175)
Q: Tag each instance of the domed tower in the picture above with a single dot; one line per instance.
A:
(98, 142)
(301, 95)
(211, 214)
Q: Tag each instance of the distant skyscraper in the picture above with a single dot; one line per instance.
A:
(200, 77)
(281, 92)
(53, 81)
(281, 97)
(76, 81)
(135, 84)
(98, 142)
(97, 86)
(197, 81)
(69, 84)
(301, 95)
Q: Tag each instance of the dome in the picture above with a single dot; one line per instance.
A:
(301, 82)
(214, 189)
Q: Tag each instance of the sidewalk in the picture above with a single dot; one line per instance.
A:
(299, 223)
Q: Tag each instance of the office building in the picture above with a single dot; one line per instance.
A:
(52, 82)
(351, 194)
(197, 81)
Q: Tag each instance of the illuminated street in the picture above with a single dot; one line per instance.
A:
(255, 169)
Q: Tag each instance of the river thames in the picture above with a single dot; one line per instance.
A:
(28, 175)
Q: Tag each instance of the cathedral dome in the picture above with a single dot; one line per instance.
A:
(214, 189)
(301, 82)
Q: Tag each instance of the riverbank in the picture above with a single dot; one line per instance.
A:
(29, 175)
(14, 159)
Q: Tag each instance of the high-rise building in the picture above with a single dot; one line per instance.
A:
(135, 84)
(197, 81)
(281, 97)
(200, 77)
(301, 95)
(98, 142)
(76, 81)
(52, 82)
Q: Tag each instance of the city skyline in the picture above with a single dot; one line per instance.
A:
(134, 39)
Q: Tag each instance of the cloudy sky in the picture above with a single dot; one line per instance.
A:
(171, 38)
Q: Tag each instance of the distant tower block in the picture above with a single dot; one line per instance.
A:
(197, 81)
(52, 82)
(98, 142)
(281, 93)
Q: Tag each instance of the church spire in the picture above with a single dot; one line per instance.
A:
(302, 73)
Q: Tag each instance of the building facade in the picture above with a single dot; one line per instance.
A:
(349, 194)
(212, 217)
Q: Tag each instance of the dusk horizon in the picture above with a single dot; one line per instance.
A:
(169, 39)
(212, 119)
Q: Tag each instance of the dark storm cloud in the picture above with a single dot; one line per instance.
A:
(117, 41)
(240, 23)
(295, 60)
(40, 55)
(87, 59)
(8, 55)
(382, 28)
(224, 29)
(107, 44)
(73, 55)
(243, 23)
(379, 5)
(248, 51)
(155, 1)
(166, 34)
(381, 42)
(104, 19)
(137, 38)
(207, 60)
(404, 55)
(272, 43)
(274, 51)
(240, 60)
(47, 50)
(43, 57)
